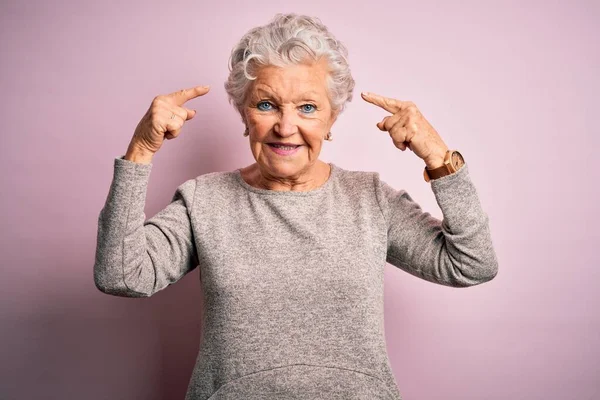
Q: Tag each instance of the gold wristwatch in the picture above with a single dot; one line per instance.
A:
(453, 161)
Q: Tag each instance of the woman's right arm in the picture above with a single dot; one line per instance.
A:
(136, 257)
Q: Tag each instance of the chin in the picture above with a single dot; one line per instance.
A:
(284, 169)
(283, 166)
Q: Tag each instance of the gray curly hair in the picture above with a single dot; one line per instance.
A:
(289, 39)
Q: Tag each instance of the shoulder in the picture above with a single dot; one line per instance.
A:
(356, 179)
(211, 183)
(368, 184)
(215, 178)
(358, 184)
(359, 193)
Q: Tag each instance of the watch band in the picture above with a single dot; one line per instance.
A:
(446, 169)
(437, 172)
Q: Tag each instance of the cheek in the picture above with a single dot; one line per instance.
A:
(314, 141)
(260, 125)
(315, 132)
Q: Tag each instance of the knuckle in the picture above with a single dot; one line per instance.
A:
(155, 105)
(154, 112)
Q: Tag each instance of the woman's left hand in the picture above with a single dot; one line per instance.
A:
(409, 128)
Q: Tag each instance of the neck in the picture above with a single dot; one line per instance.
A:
(311, 179)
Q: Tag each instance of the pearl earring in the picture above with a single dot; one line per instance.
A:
(246, 132)
(328, 137)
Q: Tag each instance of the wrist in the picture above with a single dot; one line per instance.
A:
(433, 164)
(138, 155)
(436, 160)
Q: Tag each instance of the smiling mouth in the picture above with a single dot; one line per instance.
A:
(284, 147)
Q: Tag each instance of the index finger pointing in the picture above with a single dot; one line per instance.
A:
(387, 103)
(184, 95)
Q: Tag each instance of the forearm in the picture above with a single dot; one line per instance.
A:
(121, 234)
(456, 251)
(468, 249)
(136, 257)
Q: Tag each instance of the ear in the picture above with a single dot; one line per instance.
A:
(243, 117)
(334, 115)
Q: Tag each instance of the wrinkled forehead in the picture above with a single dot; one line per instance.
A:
(292, 83)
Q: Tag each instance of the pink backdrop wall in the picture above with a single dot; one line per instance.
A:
(513, 85)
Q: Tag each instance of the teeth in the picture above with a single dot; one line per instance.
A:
(284, 147)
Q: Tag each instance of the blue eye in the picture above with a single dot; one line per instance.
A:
(307, 108)
(264, 106)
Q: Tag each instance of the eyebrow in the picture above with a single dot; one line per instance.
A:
(304, 96)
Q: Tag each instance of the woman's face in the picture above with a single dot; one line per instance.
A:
(288, 116)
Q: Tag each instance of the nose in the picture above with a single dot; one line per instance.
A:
(287, 124)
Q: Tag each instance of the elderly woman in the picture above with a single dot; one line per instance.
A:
(291, 249)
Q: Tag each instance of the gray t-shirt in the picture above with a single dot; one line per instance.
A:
(292, 281)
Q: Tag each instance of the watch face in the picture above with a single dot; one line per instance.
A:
(457, 159)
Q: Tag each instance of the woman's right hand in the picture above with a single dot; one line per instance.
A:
(164, 119)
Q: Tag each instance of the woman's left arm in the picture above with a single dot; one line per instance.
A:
(456, 251)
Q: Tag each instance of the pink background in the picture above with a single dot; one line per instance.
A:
(513, 85)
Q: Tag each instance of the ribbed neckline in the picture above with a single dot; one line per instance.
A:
(320, 189)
